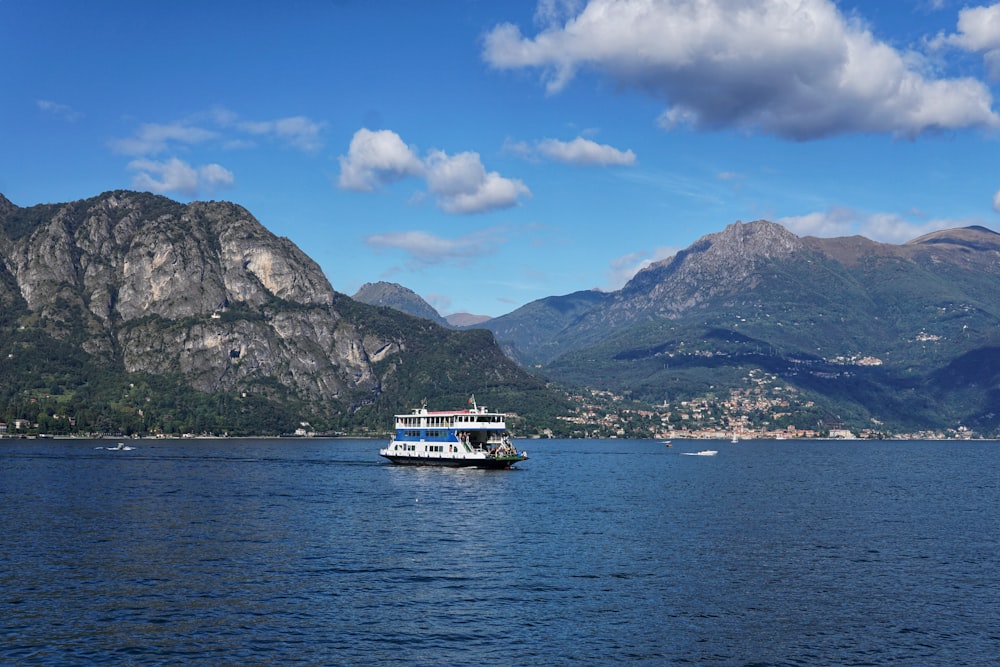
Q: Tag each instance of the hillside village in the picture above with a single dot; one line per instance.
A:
(762, 410)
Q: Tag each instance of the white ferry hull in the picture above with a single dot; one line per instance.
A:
(490, 464)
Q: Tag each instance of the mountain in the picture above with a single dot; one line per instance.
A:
(130, 312)
(133, 312)
(533, 334)
(849, 330)
(405, 300)
(392, 295)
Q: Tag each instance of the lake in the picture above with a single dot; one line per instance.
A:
(315, 552)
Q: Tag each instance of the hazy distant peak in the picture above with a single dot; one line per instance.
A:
(976, 237)
(398, 297)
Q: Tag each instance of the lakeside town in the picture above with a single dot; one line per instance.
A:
(764, 409)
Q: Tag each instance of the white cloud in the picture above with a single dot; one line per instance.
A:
(426, 248)
(552, 12)
(375, 159)
(297, 131)
(218, 129)
(519, 148)
(155, 138)
(793, 68)
(881, 227)
(582, 151)
(219, 125)
(60, 110)
(996, 201)
(459, 183)
(835, 222)
(175, 175)
(978, 31)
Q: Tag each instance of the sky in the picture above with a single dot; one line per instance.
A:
(487, 154)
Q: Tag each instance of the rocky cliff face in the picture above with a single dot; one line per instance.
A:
(726, 262)
(134, 255)
(201, 289)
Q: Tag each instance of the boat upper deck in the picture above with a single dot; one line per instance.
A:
(476, 418)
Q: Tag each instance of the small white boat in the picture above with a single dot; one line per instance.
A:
(704, 452)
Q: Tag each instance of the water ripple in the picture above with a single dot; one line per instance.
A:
(593, 552)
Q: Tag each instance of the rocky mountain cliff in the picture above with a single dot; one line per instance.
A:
(141, 286)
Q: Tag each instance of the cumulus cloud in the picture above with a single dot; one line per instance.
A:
(978, 32)
(881, 227)
(426, 248)
(59, 110)
(175, 175)
(582, 151)
(377, 158)
(796, 69)
(459, 183)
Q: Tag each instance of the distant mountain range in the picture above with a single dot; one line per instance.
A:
(844, 330)
(131, 312)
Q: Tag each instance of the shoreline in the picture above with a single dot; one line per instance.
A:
(341, 436)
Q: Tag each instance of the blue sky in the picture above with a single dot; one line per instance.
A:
(487, 154)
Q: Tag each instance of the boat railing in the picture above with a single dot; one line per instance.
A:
(504, 450)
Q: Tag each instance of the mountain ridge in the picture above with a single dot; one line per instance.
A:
(133, 285)
(132, 309)
(799, 309)
(868, 333)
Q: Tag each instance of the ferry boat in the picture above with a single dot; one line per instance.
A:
(459, 438)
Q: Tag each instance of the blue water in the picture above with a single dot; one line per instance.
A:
(315, 552)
